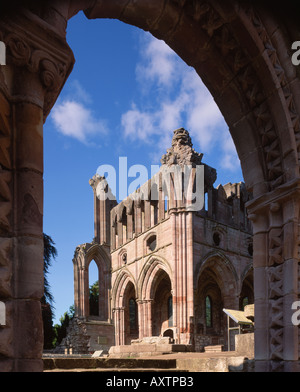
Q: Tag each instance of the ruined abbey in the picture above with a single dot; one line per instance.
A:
(164, 269)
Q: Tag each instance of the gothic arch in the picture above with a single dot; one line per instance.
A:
(96, 252)
(216, 281)
(83, 256)
(147, 276)
(119, 287)
(247, 286)
(223, 268)
(124, 290)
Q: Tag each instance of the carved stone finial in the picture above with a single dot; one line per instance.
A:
(181, 152)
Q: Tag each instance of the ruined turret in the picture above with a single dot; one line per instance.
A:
(182, 153)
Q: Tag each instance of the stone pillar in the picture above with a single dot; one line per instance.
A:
(138, 219)
(145, 317)
(275, 218)
(119, 323)
(121, 326)
(147, 218)
(117, 326)
(183, 311)
(148, 318)
(161, 203)
(141, 318)
(104, 201)
(130, 225)
(120, 232)
(113, 236)
(29, 86)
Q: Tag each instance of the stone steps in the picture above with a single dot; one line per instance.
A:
(214, 349)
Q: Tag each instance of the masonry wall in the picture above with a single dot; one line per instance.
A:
(138, 253)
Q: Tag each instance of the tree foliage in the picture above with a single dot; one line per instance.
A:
(60, 330)
(50, 253)
(47, 300)
(94, 299)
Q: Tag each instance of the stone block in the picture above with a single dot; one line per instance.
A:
(6, 342)
(244, 344)
(28, 329)
(29, 276)
(30, 137)
(6, 365)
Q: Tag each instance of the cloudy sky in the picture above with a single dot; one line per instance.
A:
(126, 95)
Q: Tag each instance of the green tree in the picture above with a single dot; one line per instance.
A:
(60, 330)
(50, 253)
(47, 300)
(94, 299)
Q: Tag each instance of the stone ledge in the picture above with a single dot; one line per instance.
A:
(229, 364)
(148, 349)
(107, 363)
(201, 364)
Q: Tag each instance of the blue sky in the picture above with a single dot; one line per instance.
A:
(126, 95)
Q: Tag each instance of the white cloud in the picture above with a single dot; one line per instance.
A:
(75, 119)
(158, 63)
(230, 158)
(182, 100)
(138, 125)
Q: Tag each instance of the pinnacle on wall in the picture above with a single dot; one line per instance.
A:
(181, 152)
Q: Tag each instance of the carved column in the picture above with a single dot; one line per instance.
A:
(161, 203)
(147, 215)
(148, 312)
(120, 231)
(116, 317)
(140, 304)
(29, 86)
(130, 225)
(182, 226)
(275, 218)
(138, 218)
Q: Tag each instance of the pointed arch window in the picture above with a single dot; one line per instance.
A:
(208, 312)
(245, 302)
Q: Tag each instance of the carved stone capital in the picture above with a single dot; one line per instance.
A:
(31, 47)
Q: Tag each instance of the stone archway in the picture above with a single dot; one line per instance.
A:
(83, 256)
(216, 288)
(162, 305)
(243, 54)
(247, 289)
(123, 297)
